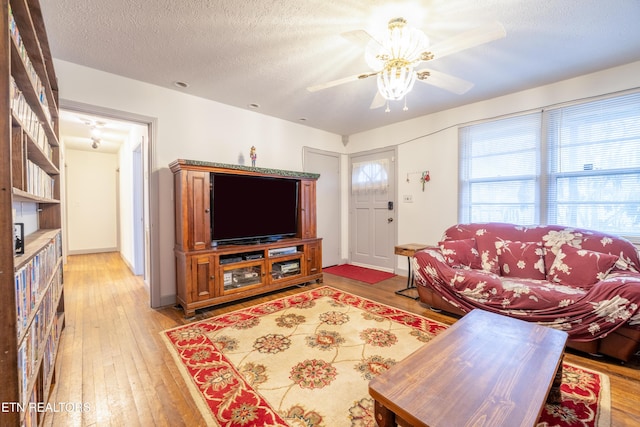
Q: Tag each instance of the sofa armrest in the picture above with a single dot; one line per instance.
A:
(430, 266)
(431, 270)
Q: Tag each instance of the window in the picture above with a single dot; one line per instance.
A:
(500, 169)
(588, 174)
(371, 176)
(594, 165)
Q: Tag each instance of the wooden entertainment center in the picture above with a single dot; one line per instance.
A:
(208, 275)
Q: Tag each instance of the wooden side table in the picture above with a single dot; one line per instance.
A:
(409, 250)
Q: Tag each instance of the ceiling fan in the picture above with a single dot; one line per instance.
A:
(393, 59)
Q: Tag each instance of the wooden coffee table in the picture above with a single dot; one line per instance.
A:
(485, 370)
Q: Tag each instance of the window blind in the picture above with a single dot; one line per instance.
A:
(594, 165)
(500, 170)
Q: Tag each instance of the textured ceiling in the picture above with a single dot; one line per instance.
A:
(267, 52)
(75, 131)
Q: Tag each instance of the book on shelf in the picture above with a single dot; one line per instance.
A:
(39, 183)
(38, 287)
(28, 64)
(29, 120)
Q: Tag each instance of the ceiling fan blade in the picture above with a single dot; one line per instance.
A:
(444, 81)
(364, 40)
(468, 39)
(358, 37)
(378, 101)
(343, 80)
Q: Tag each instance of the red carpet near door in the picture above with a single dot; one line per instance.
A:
(367, 275)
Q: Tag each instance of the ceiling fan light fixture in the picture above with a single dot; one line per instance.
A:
(395, 56)
(374, 55)
(405, 42)
(394, 59)
(394, 82)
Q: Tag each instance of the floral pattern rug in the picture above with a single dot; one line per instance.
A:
(306, 360)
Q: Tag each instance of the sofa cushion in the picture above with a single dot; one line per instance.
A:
(579, 267)
(461, 253)
(521, 259)
(627, 254)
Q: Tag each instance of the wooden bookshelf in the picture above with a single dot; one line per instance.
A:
(32, 318)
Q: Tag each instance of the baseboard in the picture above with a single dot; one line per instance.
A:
(401, 272)
(167, 300)
(92, 251)
(126, 262)
(373, 267)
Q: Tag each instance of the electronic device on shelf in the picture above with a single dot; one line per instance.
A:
(288, 267)
(283, 251)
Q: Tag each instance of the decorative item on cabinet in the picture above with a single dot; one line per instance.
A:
(253, 155)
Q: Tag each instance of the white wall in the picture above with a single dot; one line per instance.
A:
(125, 204)
(125, 156)
(91, 195)
(189, 127)
(431, 143)
(27, 214)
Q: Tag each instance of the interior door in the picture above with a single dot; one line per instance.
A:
(373, 209)
(327, 164)
(138, 212)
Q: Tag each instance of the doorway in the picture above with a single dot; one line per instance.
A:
(373, 209)
(89, 132)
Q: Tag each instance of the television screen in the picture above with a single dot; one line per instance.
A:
(245, 207)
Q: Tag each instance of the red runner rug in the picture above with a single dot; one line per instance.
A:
(367, 275)
(307, 359)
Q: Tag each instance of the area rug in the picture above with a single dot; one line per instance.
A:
(306, 360)
(367, 275)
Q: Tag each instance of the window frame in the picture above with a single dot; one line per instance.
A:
(546, 205)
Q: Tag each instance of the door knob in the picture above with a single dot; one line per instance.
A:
(389, 219)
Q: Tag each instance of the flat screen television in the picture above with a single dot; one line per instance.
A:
(247, 208)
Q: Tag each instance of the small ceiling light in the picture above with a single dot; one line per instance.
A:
(181, 85)
(95, 129)
(302, 119)
(254, 106)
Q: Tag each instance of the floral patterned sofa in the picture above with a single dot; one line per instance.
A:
(581, 281)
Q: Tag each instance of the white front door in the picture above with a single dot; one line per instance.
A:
(373, 209)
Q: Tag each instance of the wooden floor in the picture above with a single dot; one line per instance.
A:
(113, 360)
